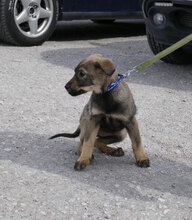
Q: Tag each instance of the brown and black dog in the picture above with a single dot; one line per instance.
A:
(108, 115)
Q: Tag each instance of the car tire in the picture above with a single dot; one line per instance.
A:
(27, 23)
(103, 21)
(179, 56)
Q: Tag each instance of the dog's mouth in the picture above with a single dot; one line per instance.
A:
(76, 92)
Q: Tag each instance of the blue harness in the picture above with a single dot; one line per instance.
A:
(115, 84)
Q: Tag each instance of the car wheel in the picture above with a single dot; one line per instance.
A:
(105, 21)
(179, 56)
(27, 23)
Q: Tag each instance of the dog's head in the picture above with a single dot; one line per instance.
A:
(91, 74)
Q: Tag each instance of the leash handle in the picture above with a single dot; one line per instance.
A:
(160, 55)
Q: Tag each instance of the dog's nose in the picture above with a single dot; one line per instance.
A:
(67, 86)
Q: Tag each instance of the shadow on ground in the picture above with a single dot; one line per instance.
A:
(87, 30)
(130, 53)
(118, 176)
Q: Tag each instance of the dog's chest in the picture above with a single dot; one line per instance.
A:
(106, 104)
(110, 111)
(111, 124)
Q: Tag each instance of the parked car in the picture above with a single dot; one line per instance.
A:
(31, 22)
(168, 21)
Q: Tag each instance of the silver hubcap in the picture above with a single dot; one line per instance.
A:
(33, 17)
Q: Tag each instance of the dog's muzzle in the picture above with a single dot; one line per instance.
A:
(74, 92)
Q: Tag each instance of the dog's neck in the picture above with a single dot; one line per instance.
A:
(108, 81)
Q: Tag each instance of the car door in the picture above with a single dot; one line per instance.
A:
(100, 5)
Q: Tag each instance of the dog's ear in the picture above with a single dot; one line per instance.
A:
(106, 65)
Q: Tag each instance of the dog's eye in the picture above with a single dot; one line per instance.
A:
(81, 74)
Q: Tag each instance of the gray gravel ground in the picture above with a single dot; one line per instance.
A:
(37, 180)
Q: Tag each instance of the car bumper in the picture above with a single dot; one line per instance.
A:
(177, 22)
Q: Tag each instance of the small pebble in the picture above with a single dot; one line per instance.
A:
(161, 200)
(166, 211)
(43, 213)
(7, 149)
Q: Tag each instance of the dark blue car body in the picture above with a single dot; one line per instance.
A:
(101, 9)
(100, 5)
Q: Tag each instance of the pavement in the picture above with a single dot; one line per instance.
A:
(37, 179)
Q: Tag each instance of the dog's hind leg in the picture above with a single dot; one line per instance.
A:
(103, 141)
(140, 156)
(113, 151)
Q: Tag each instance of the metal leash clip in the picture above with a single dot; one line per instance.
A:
(129, 72)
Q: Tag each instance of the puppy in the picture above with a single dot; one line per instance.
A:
(108, 116)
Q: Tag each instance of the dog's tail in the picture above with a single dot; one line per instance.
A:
(73, 135)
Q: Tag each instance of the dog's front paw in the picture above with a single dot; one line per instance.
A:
(80, 165)
(143, 163)
(117, 152)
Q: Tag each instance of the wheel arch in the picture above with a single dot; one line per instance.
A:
(59, 2)
(143, 8)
